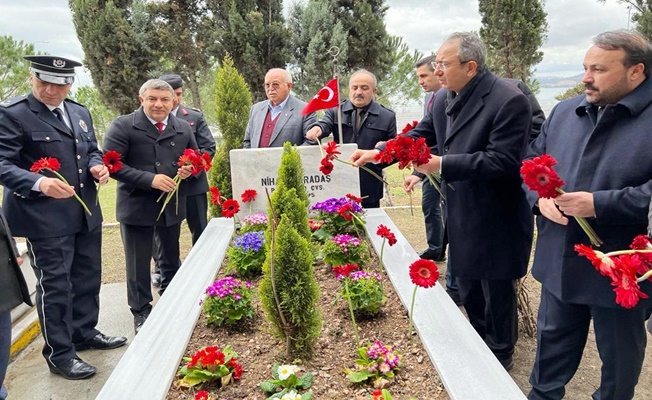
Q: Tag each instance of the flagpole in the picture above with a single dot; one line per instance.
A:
(335, 51)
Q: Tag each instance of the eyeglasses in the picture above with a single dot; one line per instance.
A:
(444, 66)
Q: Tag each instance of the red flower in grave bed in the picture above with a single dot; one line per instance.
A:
(50, 163)
(628, 292)
(539, 176)
(424, 273)
(345, 270)
(315, 225)
(201, 395)
(386, 233)
(216, 198)
(237, 368)
(326, 166)
(249, 195)
(230, 208)
(354, 198)
(112, 160)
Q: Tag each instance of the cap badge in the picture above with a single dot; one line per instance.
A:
(58, 63)
(83, 125)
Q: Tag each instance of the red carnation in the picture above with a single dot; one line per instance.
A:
(216, 198)
(424, 273)
(50, 163)
(230, 208)
(248, 195)
(539, 176)
(112, 160)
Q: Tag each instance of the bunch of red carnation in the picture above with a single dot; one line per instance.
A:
(406, 150)
(625, 268)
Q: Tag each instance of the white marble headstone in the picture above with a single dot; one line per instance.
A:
(258, 169)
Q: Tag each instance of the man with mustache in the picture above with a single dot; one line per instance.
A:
(601, 141)
(364, 122)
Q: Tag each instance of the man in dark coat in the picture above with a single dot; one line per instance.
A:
(150, 141)
(364, 122)
(196, 186)
(13, 291)
(481, 126)
(601, 141)
(64, 242)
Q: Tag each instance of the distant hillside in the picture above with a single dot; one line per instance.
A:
(556, 81)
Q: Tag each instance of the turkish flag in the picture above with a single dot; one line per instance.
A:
(327, 97)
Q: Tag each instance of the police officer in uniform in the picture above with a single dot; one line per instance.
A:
(197, 186)
(64, 242)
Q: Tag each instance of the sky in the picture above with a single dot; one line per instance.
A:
(423, 24)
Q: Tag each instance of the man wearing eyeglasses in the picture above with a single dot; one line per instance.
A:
(278, 119)
(481, 126)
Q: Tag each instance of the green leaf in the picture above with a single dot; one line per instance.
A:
(359, 376)
(275, 370)
(305, 381)
(306, 396)
(268, 387)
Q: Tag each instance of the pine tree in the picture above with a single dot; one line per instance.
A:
(641, 16)
(254, 33)
(117, 52)
(15, 69)
(513, 31)
(232, 104)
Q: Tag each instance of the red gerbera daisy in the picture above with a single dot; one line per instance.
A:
(386, 233)
(207, 162)
(409, 127)
(193, 158)
(216, 198)
(346, 211)
(354, 198)
(603, 263)
(230, 208)
(424, 273)
(326, 166)
(50, 163)
(628, 292)
(539, 176)
(421, 152)
(249, 195)
(641, 242)
(331, 150)
(112, 161)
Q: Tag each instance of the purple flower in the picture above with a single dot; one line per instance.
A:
(333, 204)
(250, 241)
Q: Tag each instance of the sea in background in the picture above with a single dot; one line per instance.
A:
(545, 97)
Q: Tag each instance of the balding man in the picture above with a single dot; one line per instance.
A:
(278, 119)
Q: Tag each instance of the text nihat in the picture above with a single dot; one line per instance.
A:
(173, 79)
(52, 69)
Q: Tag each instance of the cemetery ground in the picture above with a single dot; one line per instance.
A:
(410, 222)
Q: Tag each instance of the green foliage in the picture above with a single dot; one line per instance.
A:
(345, 249)
(228, 302)
(118, 49)
(254, 33)
(247, 255)
(232, 104)
(290, 173)
(400, 86)
(15, 69)
(89, 96)
(513, 31)
(641, 15)
(286, 381)
(365, 290)
(572, 92)
(296, 288)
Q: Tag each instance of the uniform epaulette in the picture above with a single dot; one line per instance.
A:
(12, 101)
(73, 101)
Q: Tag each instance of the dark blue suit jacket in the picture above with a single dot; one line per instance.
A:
(611, 160)
(30, 131)
(489, 222)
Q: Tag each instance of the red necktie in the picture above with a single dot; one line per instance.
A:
(160, 126)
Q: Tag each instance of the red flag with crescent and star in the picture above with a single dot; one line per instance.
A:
(327, 97)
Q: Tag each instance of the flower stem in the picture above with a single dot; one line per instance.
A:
(355, 326)
(586, 227)
(375, 175)
(382, 248)
(75, 194)
(174, 192)
(433, 181)
(414, 296)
